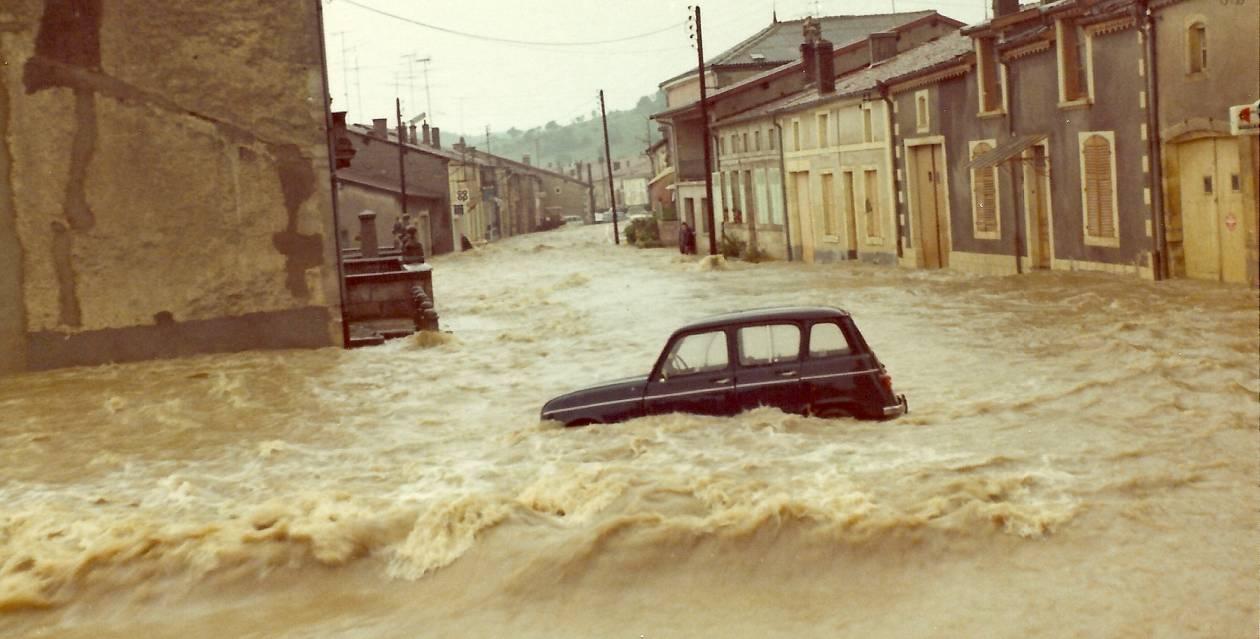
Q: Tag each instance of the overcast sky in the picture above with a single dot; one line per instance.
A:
(478, 80)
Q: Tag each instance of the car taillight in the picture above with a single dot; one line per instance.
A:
(886, 380)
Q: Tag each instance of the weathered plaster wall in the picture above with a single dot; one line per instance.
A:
(563, 197)
(163, 180)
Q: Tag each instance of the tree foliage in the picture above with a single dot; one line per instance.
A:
(583, 138)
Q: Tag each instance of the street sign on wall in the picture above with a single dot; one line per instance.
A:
(1244, 119)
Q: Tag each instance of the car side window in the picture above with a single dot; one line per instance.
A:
(698, 353)
(827, 340)
(769, 344)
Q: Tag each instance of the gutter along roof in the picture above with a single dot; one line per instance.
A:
(392, 186)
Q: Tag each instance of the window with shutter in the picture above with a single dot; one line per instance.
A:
(989, 81)
(984, 197)
(1074, 61)
(1098, 183)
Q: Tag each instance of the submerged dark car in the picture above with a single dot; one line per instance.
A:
(803, 360)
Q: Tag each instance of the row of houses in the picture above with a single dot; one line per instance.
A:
(1068, 135)
(451, 193)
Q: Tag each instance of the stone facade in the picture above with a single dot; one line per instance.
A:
(164, 181)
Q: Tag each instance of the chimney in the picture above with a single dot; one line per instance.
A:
(424, 132)
(812, 32)
(525, 159)
(343, 148)
(401, 132)
(1005, 7)
(411, 137)
(809, 58)
(825, 67)
(883, 45)
(437, 137)
(379, 127)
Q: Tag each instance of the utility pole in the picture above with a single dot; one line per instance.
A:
(704, 136)
(487, 138)
(612, 196)
(402, 150)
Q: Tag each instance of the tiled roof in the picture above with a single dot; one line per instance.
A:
(780, 42)
(927, 55)
(455, 154)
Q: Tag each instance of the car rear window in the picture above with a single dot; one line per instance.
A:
(769, 344)
(827, 340)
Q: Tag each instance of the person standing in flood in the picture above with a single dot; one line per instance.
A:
(686, 239)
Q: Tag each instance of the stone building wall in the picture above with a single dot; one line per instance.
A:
(164, 183)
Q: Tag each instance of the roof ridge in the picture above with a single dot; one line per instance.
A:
(862, 15)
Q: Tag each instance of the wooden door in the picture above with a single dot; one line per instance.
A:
(1231, 213)
(925, 207)
(1212, 210)
(942, 203)
(1198, 209)
(805, 215)
(874, 212)
(850, 216)
(1037, 179)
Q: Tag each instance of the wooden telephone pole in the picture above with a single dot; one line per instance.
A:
(708, 144)
(612, 194)
(402, 157)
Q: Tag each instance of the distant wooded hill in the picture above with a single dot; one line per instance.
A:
(579, 140)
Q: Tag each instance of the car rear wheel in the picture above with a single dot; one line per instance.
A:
(580, 422)
(833, 412)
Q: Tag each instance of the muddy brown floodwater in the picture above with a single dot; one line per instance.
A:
(1081, 461)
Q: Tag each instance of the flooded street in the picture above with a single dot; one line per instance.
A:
(1080, 461)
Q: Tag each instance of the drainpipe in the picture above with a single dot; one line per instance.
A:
(1017, 166)
(787, 226)
(1159, 252)
(332, 180)
(892, 160)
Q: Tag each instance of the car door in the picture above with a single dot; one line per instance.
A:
(769, 367)
(694, 376)
(835, 371)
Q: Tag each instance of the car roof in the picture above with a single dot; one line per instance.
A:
(765, 314)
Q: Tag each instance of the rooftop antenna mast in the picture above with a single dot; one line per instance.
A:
(345, 82)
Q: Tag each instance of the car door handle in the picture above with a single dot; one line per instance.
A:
(787, 373)
(719, 382)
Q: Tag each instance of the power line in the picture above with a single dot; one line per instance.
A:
(506, 40)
